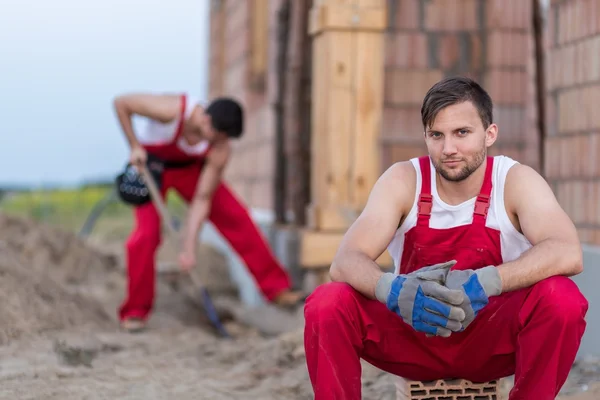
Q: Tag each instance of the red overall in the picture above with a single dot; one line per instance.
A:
(533, 333)
(227, 214)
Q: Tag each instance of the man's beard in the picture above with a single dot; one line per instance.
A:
(466, 171)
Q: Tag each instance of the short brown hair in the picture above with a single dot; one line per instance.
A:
(454, 90)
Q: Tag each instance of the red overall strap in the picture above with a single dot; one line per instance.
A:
(482, 204)
(425, 200)
(179, 130)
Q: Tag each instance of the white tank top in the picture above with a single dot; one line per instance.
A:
(445, 216)
(157, 133)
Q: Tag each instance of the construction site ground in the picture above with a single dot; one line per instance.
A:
(59, 337)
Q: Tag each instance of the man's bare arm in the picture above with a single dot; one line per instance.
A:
(556, 248)
(200, 205)
(163, 108)
(368, 237)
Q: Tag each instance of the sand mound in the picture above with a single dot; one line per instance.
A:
(36, 262)
(51, 251)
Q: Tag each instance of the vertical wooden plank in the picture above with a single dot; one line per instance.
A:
(319, 143)
(259, 43)
(368, 112)
(339, 115)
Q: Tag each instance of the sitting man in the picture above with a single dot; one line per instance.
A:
(193, 142)
(482, 253)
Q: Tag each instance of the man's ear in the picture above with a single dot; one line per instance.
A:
(491, 134)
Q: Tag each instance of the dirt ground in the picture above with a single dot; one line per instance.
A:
(59, 337)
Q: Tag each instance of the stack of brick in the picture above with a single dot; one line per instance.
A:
(233, 38)
(573, 142)
(458, 389)
(489, 41)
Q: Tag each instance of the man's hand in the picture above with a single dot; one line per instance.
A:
(422, 301)
(138, 156)
(478, 286)
(187, 260)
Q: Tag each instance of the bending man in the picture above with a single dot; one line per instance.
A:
(194, 144)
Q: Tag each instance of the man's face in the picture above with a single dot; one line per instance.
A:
(457, 141)
(204, 123)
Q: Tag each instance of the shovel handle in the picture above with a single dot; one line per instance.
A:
(158, 202)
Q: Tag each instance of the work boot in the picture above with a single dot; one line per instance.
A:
(133, 325)
(289, 298)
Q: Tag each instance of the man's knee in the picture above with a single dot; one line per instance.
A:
(560, 296)
(328, 300)
(148, 238)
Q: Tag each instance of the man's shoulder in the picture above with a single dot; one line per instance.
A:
(523, 182)
(400, 179)
(401, 170)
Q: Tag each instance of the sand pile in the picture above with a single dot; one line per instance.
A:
(36, 264)
(51, 251)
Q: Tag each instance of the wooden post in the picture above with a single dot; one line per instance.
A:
(347, 103)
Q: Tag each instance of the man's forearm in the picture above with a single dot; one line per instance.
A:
(198, 212)
(548, 258)
(357, 270)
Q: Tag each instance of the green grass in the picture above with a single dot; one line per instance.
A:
(68, 209)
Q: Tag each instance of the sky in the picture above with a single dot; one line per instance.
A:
(63, 61)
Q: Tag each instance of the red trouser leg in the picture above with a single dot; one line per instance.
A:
(533, 333)
(140, 251)
(232, 219)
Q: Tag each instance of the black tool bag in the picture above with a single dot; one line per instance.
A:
(130, 183)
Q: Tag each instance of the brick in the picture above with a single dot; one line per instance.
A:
(552, 158)
(593, 51)
(597, 13)
(402, 122)
(508, 14)
(565, 157)
(265, 160)
(594, 98)
(589, 211)
(410, 86)
(591, 155)
(507, 87)
(235, 78)
(394, 152)
(476, 52)
(457, 389)
(407, 50)
(407, 14)
(451, 15)
(507, 49)
(510, 121)
(448, 51)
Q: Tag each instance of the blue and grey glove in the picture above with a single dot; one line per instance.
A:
(422, 301)
(478, 286)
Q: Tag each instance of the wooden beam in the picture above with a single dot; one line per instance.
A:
(347, 107)
(331, 17)
(317, 249)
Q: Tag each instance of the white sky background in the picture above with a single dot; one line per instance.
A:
(62, 62)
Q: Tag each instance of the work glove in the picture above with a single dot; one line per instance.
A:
(478, 286)
(422, 301)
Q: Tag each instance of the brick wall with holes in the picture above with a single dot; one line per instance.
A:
(242, 57)
(573, 143)
(490, 41)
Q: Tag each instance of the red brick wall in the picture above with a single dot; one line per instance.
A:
(250, 172)
(573, 142)
(489, 41)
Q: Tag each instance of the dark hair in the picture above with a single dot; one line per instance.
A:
(456, 90)
(227, 116)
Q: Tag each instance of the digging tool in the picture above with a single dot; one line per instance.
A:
(173, 237)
